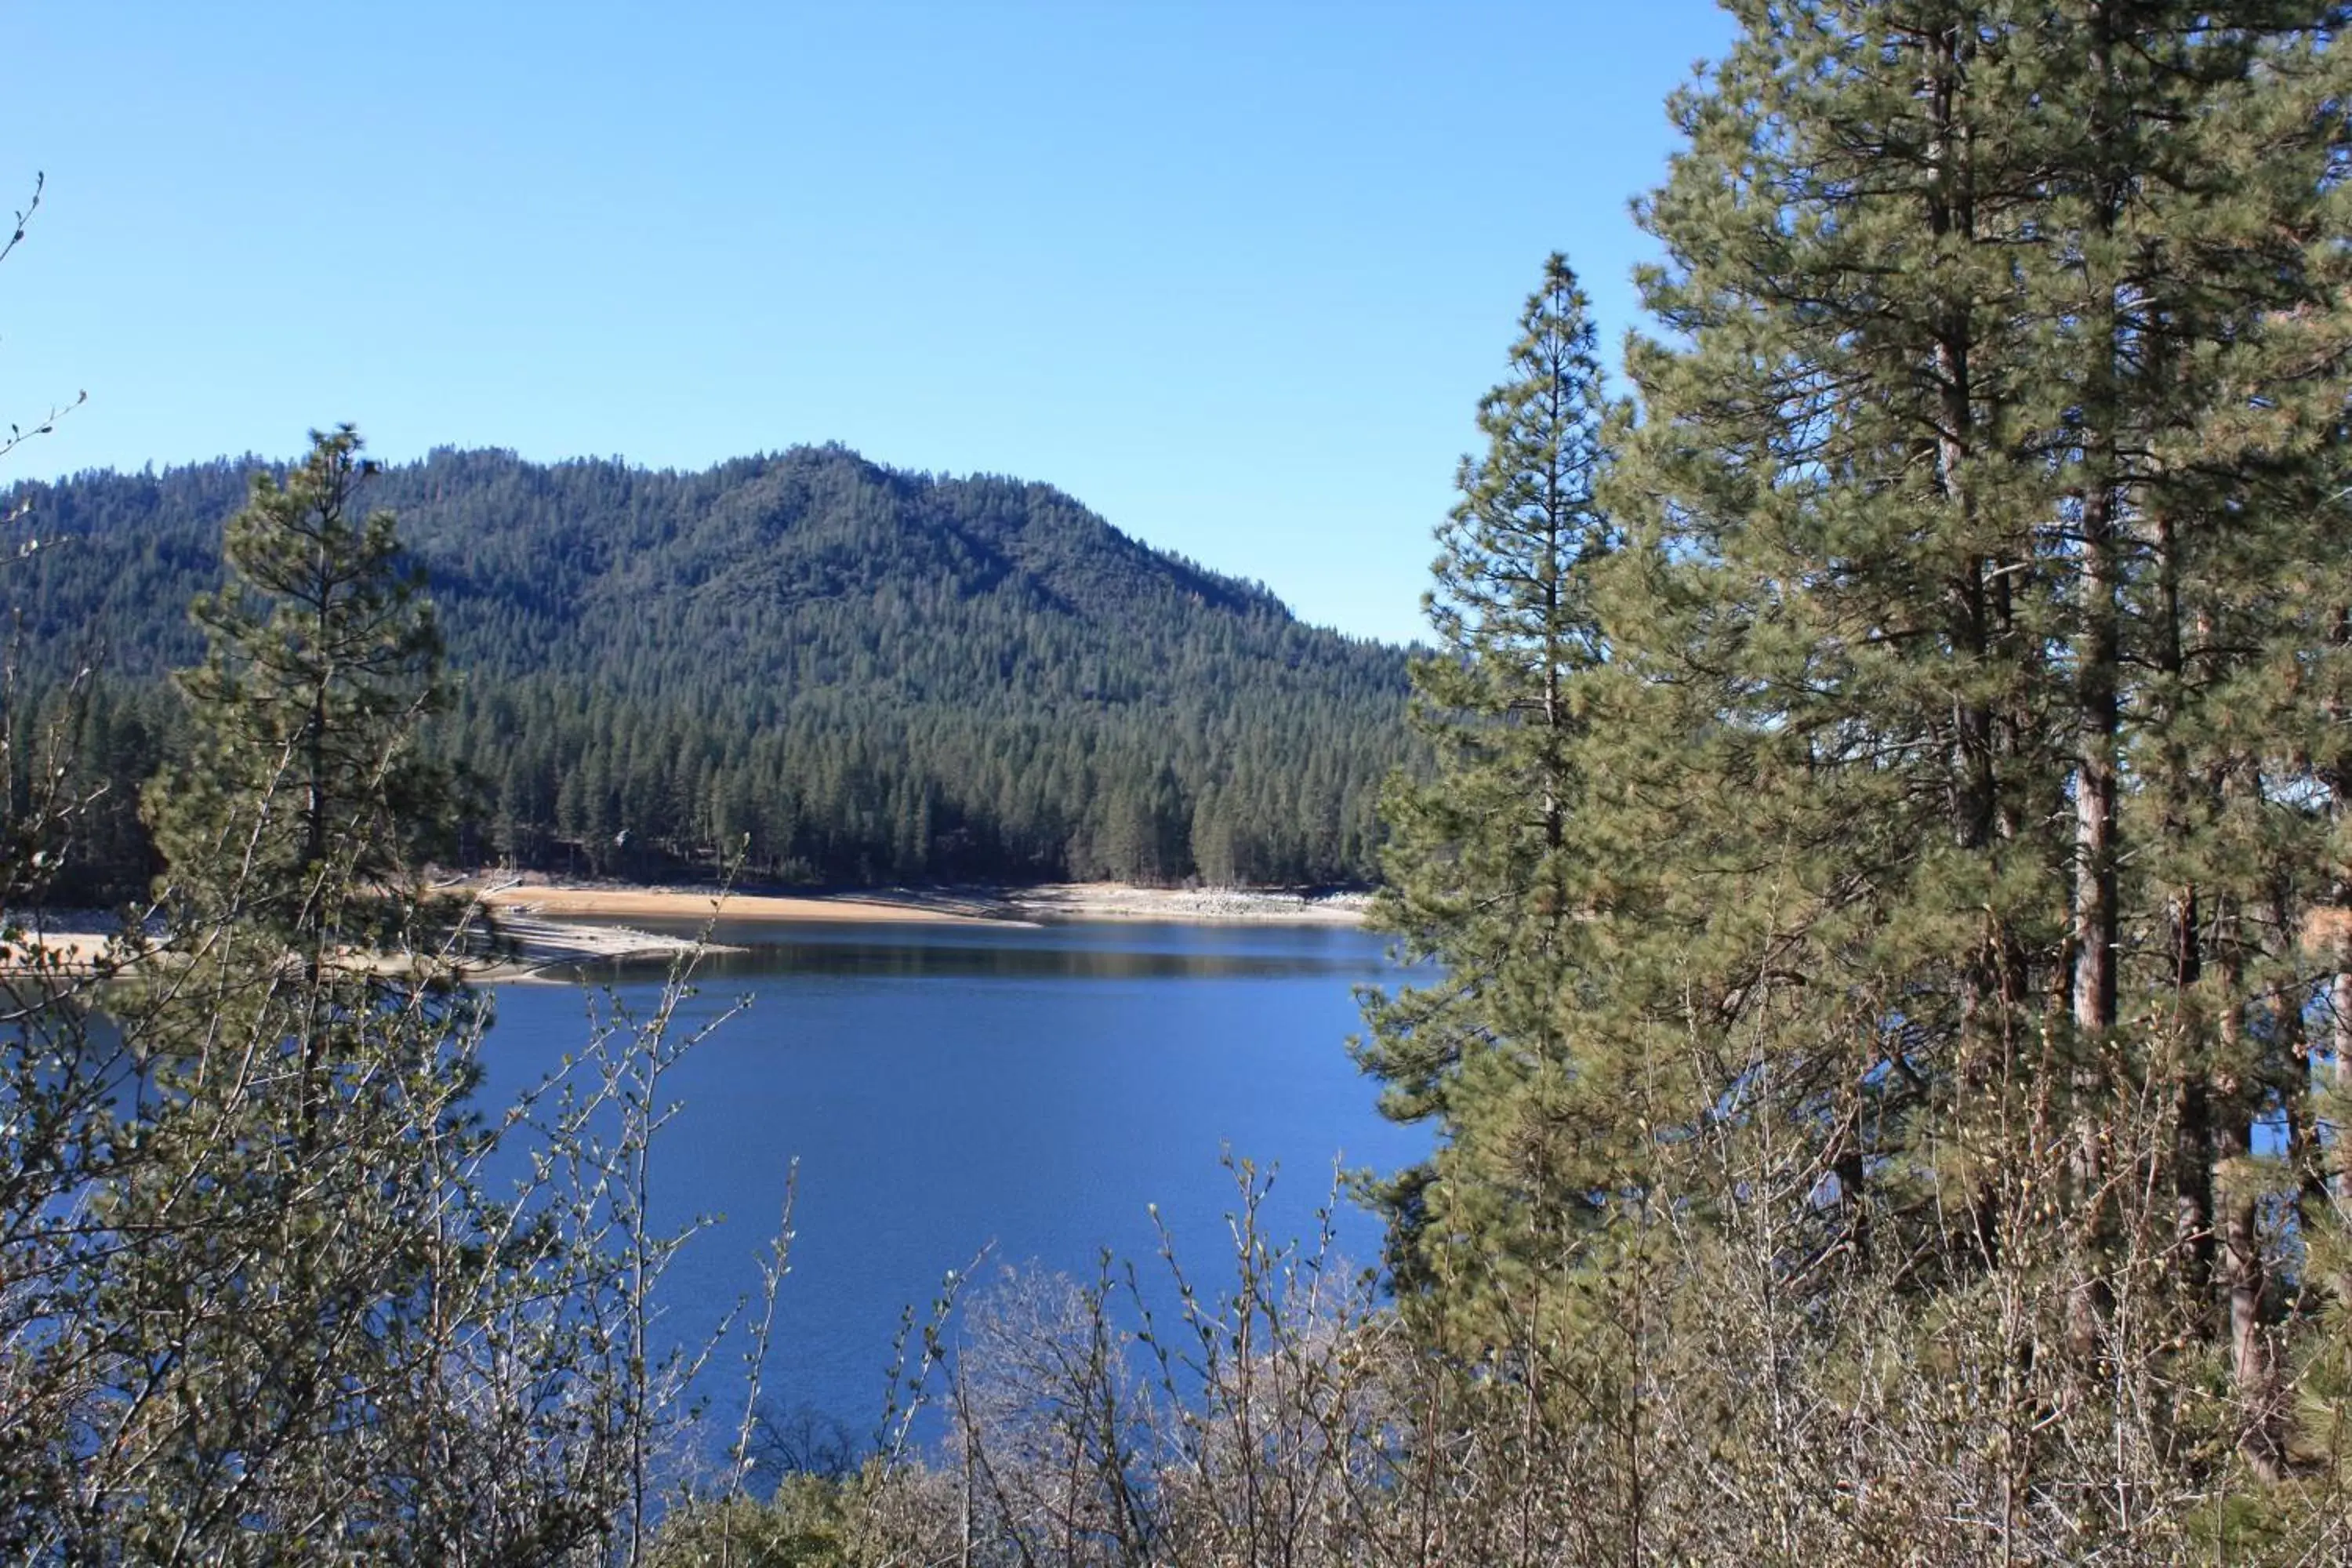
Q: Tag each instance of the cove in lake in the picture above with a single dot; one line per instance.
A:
(951, 1088)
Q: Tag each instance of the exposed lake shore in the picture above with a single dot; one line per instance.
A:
(545, 923)
(555, 922)
(83, 942)
(1024, 905)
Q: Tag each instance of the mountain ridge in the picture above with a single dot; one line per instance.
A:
(1018, 687)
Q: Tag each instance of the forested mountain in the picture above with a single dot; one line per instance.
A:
(870, 675)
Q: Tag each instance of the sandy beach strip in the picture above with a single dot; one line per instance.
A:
(556, 900)
(83, 942)
(528, 946)
(53, 953)
(1060, 901)
(546, 924)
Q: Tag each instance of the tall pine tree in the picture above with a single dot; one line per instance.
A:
(299, 1322)
(1486, 873)
(305, 797)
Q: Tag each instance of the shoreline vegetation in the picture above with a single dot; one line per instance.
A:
(547, 924)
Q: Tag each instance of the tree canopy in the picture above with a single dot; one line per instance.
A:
(1930, 1135)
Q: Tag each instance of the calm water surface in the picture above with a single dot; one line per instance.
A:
(947, 1089)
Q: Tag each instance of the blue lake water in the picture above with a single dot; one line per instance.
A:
(949, 1088)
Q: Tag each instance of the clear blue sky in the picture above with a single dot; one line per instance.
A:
(1233, 275)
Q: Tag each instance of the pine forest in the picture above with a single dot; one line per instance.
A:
(805, 668)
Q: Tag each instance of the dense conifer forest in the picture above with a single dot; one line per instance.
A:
(856, 675)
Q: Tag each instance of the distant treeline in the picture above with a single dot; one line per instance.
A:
(852, 675)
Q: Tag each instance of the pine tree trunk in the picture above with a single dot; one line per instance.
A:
(2094, 936)
(2192, 1173)
(2244, 1277)
(2339, 995)
(2098, 655)
(1977, 821)
(2338, 938)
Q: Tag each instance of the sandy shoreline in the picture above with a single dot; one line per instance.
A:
(82, 941)
(527, 946)
(556, 899)
(57, 951)
(1017, 906)
(546, 924)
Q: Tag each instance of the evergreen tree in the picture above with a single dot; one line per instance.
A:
(1486, 873)
(1965, 782)
(305, 796)
(296, 1321)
